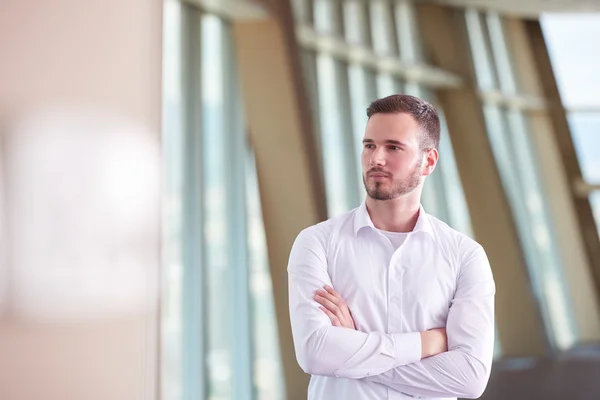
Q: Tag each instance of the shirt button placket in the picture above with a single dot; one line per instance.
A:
(395, 294)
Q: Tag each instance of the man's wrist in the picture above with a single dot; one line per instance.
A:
(425, 344)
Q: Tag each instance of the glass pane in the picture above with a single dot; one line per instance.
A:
(480, 51)
(570, 39)
(355, 22)
(218, 274)
(407, 31)
(585, 128)
(513, 154)
(171, 313)
(336, 136)
(268, 371)
(218, 313)
(455, 201)
(502, 59)
(549, 267)
(326, 17)
(382, 28)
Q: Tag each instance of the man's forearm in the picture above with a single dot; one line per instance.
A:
(346, 353)
(451, 374)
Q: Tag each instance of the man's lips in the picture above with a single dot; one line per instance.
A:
(377, 175)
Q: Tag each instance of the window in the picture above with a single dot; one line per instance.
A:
(569, 38)
(509, 135)
(219, 333)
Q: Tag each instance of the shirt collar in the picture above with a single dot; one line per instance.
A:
(363, 219)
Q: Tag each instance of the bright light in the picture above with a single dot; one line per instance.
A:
(84, 216)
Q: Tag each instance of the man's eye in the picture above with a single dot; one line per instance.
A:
(369, 146)
(394, 148)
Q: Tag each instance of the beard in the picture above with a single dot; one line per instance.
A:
(397, 188)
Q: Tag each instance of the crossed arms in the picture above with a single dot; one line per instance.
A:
(394, 360)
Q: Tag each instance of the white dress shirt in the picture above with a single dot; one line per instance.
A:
(436, 278)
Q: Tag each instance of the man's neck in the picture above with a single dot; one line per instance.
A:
(396, 215)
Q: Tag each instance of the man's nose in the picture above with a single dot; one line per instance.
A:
(378, 157)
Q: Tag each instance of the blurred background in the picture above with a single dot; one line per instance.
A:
(158, 158)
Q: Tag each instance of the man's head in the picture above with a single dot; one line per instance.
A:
(400, 145)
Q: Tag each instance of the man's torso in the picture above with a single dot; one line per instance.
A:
(408, 289)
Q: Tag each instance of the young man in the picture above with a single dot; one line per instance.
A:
(386, 301)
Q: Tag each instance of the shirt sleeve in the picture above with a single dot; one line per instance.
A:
(464, 370)
(322, 349)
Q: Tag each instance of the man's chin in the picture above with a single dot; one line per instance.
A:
(379, 195)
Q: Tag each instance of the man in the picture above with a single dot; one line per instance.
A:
(386, 301)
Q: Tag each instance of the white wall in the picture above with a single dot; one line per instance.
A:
(80, 108)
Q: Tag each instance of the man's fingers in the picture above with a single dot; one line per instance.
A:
(329, 296)
(334, 319)
(331, 291)
(327, 303)
(336, 298)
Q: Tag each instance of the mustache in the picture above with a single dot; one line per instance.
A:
(377, 171)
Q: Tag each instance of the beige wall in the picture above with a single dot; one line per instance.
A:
(80, 106)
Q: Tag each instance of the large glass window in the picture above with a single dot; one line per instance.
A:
(570, 39)
(219, 335)
(509, 134)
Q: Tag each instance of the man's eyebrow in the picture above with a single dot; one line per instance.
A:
(396, 142)
(389, 141)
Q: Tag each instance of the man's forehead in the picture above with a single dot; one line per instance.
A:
(392, 127)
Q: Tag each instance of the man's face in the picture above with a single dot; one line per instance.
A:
(392, 163)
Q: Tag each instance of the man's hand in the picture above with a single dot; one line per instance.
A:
(433, 342)
(335, 307)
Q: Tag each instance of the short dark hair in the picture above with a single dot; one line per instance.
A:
(422, 111)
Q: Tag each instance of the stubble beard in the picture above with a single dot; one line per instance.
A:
(377, 190)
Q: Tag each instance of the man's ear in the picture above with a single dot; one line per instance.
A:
(431, 159)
